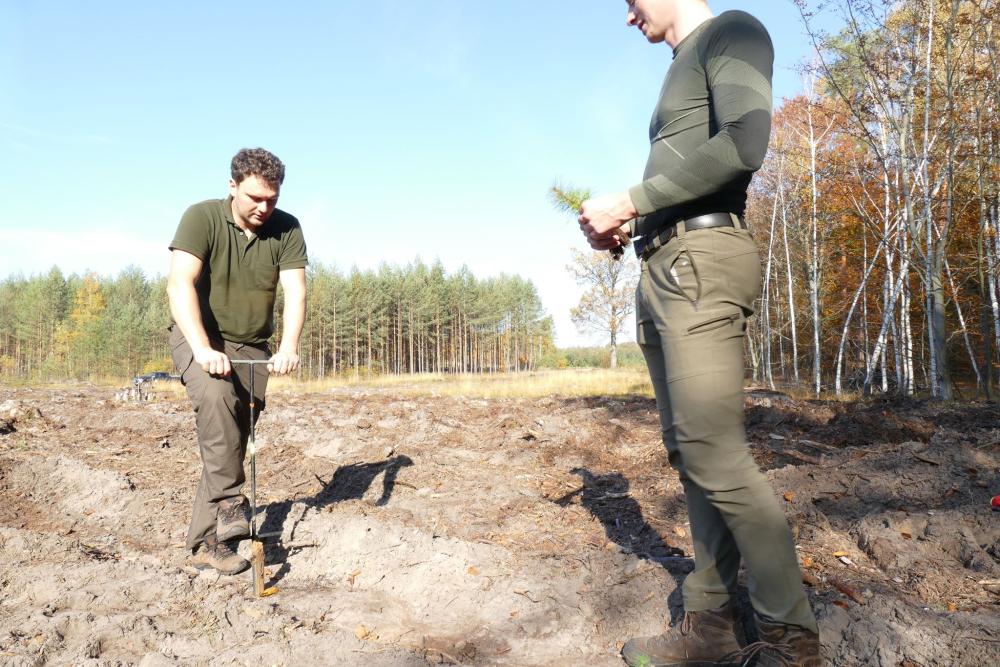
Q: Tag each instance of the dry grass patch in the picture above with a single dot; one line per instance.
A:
(104, 382)
(537, 384)
(807, 393)
(575, 382)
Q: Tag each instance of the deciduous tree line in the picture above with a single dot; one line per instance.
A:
(877, 208)
(408, 319)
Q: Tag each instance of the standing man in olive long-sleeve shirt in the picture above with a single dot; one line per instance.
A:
(227, 259)
(700, 277)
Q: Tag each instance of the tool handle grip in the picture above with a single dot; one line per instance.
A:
(250, 362)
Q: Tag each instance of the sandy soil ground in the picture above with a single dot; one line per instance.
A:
(462, 531)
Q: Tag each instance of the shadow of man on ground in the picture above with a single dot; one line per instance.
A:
(349, 482)
(607, 498)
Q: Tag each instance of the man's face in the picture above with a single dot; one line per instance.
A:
(652, 17)
(254, 200)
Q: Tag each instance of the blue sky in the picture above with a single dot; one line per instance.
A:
(428, 129)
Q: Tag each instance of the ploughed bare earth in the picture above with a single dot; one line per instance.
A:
(464, 531)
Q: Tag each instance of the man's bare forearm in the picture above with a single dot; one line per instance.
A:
(293, 319)
(187, 314)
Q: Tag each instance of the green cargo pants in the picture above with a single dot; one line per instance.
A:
(222, 419)
(692, 303)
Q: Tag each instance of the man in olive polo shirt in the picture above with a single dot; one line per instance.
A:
(227, 259)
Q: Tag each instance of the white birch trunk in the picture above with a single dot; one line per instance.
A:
(793, 325)
(961, 322)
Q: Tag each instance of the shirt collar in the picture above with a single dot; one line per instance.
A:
(690, 37)
(227, 209)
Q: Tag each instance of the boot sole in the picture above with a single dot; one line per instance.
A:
(234, 533)
(206, 566)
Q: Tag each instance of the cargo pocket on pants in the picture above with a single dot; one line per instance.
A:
(713, 322)
(705, 343)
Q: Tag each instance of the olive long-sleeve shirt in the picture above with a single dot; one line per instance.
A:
(711, 125)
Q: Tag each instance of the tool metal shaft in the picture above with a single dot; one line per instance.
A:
(252, 444)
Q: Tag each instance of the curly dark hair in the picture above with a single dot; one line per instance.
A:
(257, 162)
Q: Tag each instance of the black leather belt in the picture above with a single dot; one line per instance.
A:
(646, 246)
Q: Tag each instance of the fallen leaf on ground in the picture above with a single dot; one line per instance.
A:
(789, 496)
(848, 591)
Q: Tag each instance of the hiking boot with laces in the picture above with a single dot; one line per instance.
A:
(702, 639)
(220, 556)
(233, 519)
(784, 645)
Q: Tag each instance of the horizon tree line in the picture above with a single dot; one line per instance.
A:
(391, 320)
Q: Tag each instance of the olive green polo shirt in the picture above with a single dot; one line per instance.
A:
(237, 285)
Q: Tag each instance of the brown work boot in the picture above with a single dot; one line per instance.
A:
(703, 639)
(783, 645)
(220, 556)
(233, 519)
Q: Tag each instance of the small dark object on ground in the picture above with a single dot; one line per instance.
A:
(157, 376)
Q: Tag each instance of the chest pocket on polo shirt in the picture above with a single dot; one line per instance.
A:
(264, 277)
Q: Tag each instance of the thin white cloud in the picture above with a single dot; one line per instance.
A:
(105, 252)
